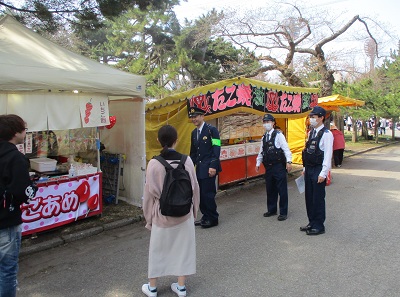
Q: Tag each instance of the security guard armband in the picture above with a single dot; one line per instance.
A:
(215, 142)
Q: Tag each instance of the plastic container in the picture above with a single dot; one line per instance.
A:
(43, 164)
(71, 171)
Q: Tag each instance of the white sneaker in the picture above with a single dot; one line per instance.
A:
(146, 290)
(174, 287)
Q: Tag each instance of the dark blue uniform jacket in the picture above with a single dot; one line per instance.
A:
(203, 153)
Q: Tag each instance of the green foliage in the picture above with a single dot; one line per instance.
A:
(203, 59)
(142, 42)
(380, 90)
(50, 15)
(173, 59)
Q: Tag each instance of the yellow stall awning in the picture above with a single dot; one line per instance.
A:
(333, 102)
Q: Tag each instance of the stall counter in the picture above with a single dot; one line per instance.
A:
(62, 201)
(239, 162)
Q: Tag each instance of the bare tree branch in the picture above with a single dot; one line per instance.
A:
(287, 35)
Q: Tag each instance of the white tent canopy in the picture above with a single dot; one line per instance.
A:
(29, 62)
(48, 85)
(37, 80)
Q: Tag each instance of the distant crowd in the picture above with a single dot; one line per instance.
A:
(383, 123)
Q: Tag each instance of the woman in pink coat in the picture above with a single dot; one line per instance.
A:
(172, 249)
(338, 146)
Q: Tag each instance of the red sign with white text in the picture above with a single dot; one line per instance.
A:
(257, 98)
(60, 203)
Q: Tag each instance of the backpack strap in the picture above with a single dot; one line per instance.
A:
(164, 162)
(182, 162)
(168, 165)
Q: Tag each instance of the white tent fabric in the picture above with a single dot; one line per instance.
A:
(29, 62)
(54, 111)
(37, 80)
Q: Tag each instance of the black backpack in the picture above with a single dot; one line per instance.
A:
(176, 196)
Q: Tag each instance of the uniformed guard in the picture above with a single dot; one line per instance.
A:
(317, 156)
(277, 160)
(205, 151)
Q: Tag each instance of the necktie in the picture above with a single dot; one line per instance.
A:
(313, 133)
(198, 134)
(267, 136)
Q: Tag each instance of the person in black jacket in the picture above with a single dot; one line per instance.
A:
(16, 188)
(205, 151)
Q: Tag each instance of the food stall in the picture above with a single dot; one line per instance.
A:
(331, 103)
(235, 107)
(67, 101)
(334, 102)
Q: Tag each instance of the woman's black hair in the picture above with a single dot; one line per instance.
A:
(167, 135)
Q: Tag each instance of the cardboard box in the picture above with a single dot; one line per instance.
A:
(43, 164)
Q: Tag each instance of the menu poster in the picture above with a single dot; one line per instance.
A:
(28, 143)
(94, 111)
(21, 148)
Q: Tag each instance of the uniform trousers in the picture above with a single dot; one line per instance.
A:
(276, 183)
(315, 197)
(208, 206)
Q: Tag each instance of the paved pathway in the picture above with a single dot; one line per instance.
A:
(249, 255)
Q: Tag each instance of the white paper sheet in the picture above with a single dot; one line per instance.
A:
(300, 184)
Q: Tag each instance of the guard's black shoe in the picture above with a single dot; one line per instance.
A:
(209, 224)
(315, 231)
(269, 214)
(282, 217)
(305, 228)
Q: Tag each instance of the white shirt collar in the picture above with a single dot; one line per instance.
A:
(270, 132)
(319, 128)
(201, 127)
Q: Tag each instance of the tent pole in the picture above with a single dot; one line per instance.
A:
(98, 148)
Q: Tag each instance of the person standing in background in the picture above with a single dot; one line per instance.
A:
(172, 249)
(16, 188)
(338, 145)
(317, 160)
(277, 160)
(205, 150)
(349, 123)
(383, 124)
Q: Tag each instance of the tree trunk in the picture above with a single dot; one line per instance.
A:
(365, 130)
(338, 120)
(354, 135)
(327, 83)
(393, 129)
(292, 79)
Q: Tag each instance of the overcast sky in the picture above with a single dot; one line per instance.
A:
(384, 12)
